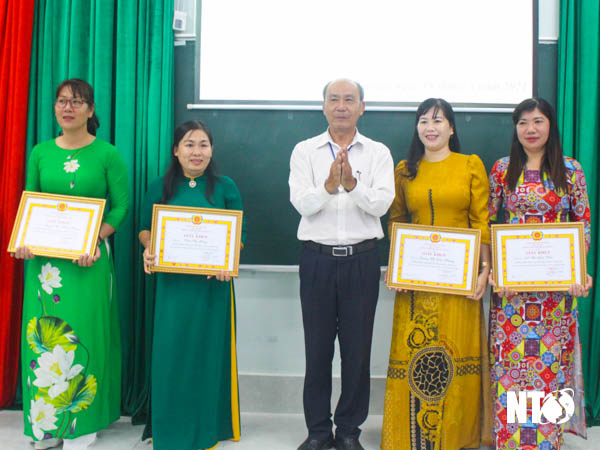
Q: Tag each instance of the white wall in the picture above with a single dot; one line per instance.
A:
(269, 325)
(269, 320)
(548, 11)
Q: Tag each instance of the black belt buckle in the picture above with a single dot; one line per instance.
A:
(342, 251)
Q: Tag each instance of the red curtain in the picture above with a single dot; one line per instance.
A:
(16, 25)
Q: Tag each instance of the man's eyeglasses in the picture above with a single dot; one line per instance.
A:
(76, 103)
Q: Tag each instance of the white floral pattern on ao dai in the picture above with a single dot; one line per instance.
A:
(71, 166)
(50, 278)
(55, 370)
(42, 417)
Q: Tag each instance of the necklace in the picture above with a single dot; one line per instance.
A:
(192, 180)
(192, 183)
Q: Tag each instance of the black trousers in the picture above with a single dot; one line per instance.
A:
(339, 297)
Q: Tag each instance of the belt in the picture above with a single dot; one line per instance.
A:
(341, 250)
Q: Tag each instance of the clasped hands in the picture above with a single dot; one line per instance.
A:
(83, 261)
(340, 173)
(149, 260)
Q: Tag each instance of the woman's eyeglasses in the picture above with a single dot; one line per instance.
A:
(76, 103)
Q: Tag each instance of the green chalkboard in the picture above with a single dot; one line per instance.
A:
(254, 148)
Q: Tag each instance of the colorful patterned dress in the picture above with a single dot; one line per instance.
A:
(534, 336)
(71, 347)
(194, 396)
(438, 378)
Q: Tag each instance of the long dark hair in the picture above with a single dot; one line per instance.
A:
(175, 172)
(81, 88)
(553, 163)
(417, 149)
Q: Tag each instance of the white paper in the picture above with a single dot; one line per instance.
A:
(51, 228)
(535, 261)
(187, 243)
(443, 262)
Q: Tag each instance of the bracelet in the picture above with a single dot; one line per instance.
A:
(483, 265)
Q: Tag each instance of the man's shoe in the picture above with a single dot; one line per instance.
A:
(317, 444)
(347, 443)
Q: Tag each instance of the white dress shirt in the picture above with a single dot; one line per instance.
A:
(343, 218)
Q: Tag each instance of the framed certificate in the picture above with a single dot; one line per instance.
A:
(538, 257)
(435, 259)
(201, 241)
(60, 226)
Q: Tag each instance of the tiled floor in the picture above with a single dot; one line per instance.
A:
(259, 432)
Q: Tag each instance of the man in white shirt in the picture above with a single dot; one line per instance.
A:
(341, 183)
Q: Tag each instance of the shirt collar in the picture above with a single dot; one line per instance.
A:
(326, 138)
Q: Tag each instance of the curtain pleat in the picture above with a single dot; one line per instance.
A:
(578, 112)
(144, 59)
(16, 24)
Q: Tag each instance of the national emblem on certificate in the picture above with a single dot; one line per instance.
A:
(202, 241)
(434, 259)
(538, 257)
(58, 226)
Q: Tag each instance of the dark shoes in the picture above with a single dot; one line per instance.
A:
(317, 444)
(347, 443)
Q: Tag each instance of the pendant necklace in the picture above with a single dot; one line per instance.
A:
(192, 183)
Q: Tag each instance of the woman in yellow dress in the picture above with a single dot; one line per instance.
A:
(437, 381)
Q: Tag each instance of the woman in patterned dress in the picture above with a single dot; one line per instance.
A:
(70, 346)
(438, 370)
(534, 336)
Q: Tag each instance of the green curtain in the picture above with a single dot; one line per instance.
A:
(124, 48)
(578, 112)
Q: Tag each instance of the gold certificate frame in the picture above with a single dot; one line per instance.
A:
(434, 259)
(59, 226)
(538, 257)
(201, 241)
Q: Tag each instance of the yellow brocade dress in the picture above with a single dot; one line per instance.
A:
(437, 395)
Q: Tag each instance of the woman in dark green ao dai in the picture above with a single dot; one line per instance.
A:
(194, 372)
